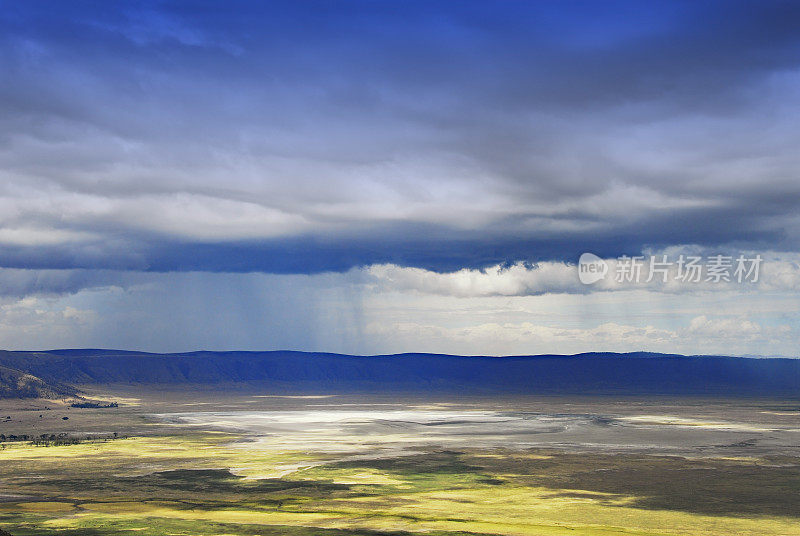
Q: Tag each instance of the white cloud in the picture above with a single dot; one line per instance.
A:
(35, 323)
(732, 328)
(515, 280)
(776, 273)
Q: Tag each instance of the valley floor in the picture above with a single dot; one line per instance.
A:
(191, 462)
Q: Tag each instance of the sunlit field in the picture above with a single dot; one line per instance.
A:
(313, 466)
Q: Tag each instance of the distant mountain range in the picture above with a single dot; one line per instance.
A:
(284, 371)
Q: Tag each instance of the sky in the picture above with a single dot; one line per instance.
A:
(377, 177)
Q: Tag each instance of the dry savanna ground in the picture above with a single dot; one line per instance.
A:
(160, 479)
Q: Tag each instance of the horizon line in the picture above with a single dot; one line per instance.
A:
(397, 354)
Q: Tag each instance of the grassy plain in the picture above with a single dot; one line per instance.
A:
(171, 480)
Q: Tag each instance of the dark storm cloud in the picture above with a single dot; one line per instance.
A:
(312, 136)
(424, 246)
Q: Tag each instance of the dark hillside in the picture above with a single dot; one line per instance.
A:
(18, 384)
(594, 373)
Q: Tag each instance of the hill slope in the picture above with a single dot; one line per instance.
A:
(636, 373)
(18, 384)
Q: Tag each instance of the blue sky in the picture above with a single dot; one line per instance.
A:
(383, 176)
